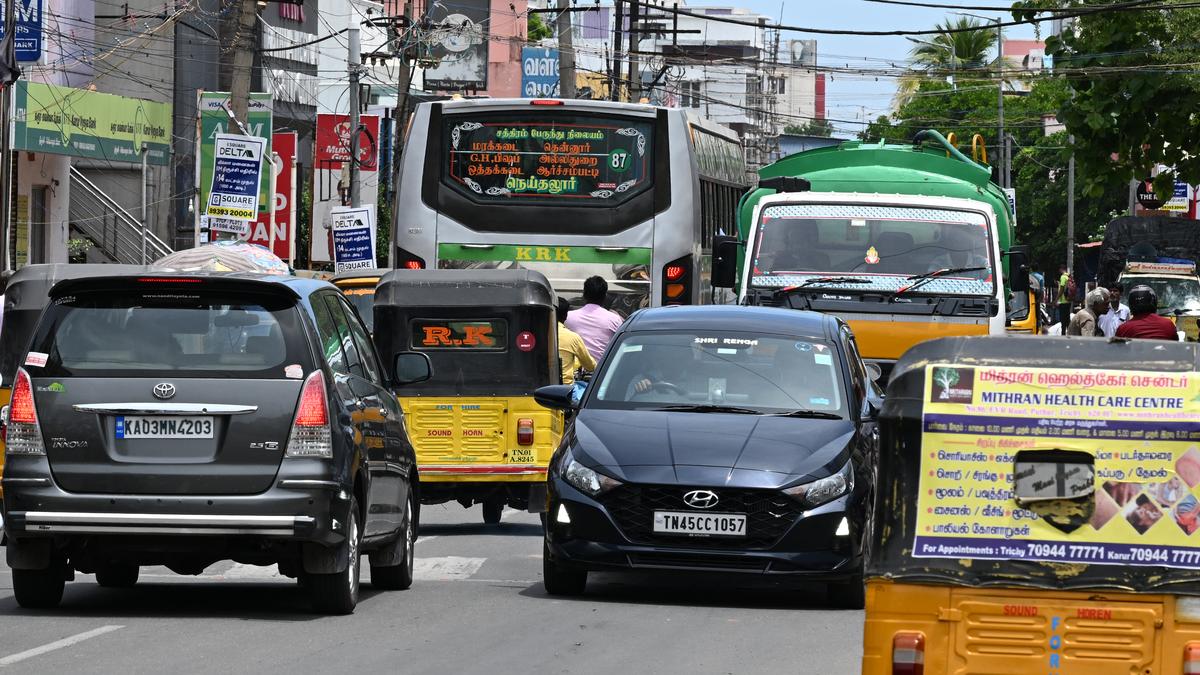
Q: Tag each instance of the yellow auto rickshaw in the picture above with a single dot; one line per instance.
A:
(359, 288)
(1036, 510)
(492, 338)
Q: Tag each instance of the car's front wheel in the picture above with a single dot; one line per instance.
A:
(560, 579)
(43, 588)
(398, 574)
(117, 576)
(337, 593)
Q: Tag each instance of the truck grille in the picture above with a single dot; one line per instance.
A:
(769, 514)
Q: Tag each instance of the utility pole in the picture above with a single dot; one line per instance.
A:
(353, 61)
(243, 59)
(145, 190)
(566, 51)
(1005, 178)
(614, 90)
(1071, 206)
(401, 49)
(635, 41)
(6, 153)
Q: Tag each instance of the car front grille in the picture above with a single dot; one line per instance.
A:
(769, 514)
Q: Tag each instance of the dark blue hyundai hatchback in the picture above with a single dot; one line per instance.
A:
(728, 439)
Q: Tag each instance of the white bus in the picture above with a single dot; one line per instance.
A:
(571, 189)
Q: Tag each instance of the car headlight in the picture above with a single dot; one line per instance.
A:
(586, 480)
(824, 489)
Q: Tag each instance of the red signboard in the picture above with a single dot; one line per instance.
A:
(284, 145)
(333, 141)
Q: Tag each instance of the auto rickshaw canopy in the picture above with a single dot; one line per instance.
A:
(1041, 462)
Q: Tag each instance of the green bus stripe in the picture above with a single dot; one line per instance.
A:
(568, 254)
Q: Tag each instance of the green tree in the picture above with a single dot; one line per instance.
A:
(1132, 104)
(536, 29)
(822, 128)
(965, 49)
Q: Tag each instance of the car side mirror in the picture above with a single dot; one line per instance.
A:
(411, 368)
(870, 409)
(1018, 266)
(724, 261)
(873, 370)
(555, 397)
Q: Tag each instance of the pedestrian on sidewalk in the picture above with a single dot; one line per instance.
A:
(1066, 295)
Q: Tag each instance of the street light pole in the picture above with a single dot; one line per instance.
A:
(1005, 179)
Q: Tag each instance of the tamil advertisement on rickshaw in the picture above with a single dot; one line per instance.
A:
(1138, 431)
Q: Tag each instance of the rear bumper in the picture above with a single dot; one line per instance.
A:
(74, 522)
(483, 473)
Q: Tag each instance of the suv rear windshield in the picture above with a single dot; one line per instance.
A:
(134, 334)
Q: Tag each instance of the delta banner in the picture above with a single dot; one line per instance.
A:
(284, 145)
(82, 123)
(539, 73)
(214, 120)
(1142, 429)
(237, 172)
(331, 175)
(353, 237)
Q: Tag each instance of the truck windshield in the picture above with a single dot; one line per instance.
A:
(1173, 293)
(885, 245)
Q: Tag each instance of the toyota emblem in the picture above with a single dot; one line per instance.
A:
(700, 499)
(164, 390)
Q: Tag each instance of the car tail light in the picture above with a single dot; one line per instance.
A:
(908, 654)
(545, 101)
(525, 431)
(168, 280)
(1191, 659)
(310, 435)
(413, 265)
(677, 281)
(24, 436)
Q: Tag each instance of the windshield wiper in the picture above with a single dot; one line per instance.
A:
(821, 280)
(813, 414)
(709, 407)
(922, 279)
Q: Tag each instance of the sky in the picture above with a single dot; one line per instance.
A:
(848, 98)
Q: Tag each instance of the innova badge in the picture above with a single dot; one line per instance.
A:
(164, 390)
(700, 499)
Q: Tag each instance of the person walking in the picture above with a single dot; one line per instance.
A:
(572, 353)
(1146, 323)
(1065, 297)
(592, 322)
(1083, 324)
(1117, 314)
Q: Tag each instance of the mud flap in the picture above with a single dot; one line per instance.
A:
(320, 559)
(537, 498)
(29, 554)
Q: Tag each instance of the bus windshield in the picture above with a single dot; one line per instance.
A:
(555, 157)
(879, 247)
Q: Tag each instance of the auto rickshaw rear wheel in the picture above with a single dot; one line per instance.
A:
(493, 508)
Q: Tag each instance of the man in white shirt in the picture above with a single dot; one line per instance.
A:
(1117, 314)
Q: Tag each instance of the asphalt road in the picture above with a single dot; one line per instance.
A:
(477, 607)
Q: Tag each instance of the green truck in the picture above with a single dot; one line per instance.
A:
(905, 242)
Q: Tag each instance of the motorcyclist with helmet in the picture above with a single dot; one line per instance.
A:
(1146, 323)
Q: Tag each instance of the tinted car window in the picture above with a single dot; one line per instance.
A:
(769, 373)
(141, 334)
(327, 332)
(363, 344)
(353, 360)
(363, 300)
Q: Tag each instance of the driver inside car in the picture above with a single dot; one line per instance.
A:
(661, 371)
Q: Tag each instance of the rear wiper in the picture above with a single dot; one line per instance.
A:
(813, 414)
(922, 279)
(708, 407)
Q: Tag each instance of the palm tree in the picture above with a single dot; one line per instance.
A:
(961, 44)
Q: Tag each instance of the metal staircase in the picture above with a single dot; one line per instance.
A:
(117, 234)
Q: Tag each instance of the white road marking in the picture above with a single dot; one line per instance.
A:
(242, 571)
(449, 568)
(57, 644)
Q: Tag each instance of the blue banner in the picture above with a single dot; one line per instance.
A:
(539, 73)
(29, 29)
